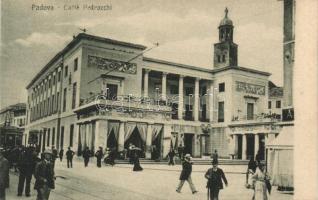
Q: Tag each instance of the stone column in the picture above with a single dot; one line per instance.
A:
(164, 86)
(243, 147)
(121, 137)
(196, 99)
(100, 133)
(211, 106)
(146, 82)
(149, 141)
(180, 105)
(256, 144)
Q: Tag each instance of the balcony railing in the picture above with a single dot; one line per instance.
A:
(259, 117)
(127, 101)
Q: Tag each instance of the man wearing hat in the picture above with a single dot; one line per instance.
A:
(215, 176)
(186, 174)
(44, 175)
(4, 175)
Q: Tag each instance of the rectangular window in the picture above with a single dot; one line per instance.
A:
(54, 80)
(221, 87)
(75, 64)
(57, 101)
(64, 99)
(223, 58)
(71, 134)
(74, 95)
(219, 58)
(62, 137)
(188, 91)
(50, 83)
(65, 71)
(53, 103)
(250, 111)
(53, 136)
(112, 91)
(269, 105)
(59, 76)
(221, 111)
(278, 104)
(48, 137)
(174, 89)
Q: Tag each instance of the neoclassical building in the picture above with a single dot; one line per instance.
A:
(102, 92)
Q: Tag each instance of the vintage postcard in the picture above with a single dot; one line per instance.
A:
(114, 99)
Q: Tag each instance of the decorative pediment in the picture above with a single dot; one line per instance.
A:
(110, 64)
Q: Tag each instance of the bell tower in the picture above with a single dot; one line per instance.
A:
(225, 51)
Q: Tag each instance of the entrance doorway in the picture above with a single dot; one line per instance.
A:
(112, 141)
(250, 146)
(136, 140)
(156, 144)
(188, 138)
(239, 147)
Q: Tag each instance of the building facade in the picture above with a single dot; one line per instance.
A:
(103, 92)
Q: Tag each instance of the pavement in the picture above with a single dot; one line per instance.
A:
(154, 182)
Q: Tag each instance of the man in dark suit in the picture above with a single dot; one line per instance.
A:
(69, 157)
(86, 156)
(186, 174)
(215, 184)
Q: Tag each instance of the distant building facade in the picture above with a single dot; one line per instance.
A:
(12, 124)
(103, 92)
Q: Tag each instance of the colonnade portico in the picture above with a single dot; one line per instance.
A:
(181, 102)
(258, 139)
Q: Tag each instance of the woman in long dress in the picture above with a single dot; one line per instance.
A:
(137, 166)
(260, 189)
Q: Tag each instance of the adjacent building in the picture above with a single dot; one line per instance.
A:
(103, 92)
(12, 124)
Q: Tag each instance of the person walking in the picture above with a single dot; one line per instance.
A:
(26, 165)
(137, 166)
(215, 176)
(44, 175)
(54, 155)
(86, 156)
(61, 153)
(69, 157)
(260, 178)
(180, 152)
(186, 174)
(251, 168)
(215, 156)
(171, 157)
(99, 156)
(4, 175)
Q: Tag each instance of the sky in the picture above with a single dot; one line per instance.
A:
(186, 31)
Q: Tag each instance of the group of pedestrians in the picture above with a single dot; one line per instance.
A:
(256, 179)
(214, 176)
(28, 164)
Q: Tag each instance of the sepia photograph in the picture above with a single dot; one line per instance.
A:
(114, 99)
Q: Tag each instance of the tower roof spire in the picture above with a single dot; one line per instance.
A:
(226, 20)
